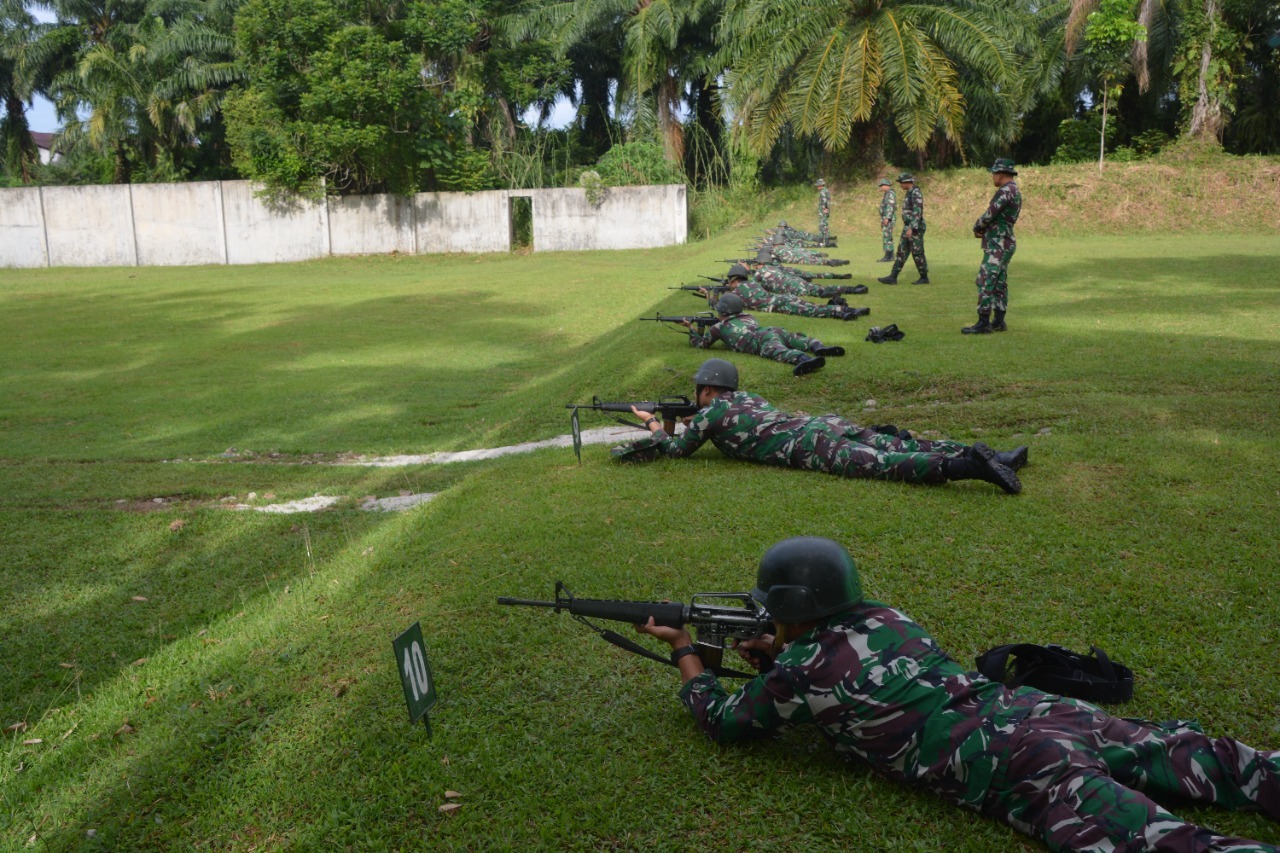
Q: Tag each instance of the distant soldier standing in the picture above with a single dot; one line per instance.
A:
(888, 216)
(995, 229)
(824, 209)
(742, 333)
(913, 228)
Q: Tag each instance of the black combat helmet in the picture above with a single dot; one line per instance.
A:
(730, 303)
(717, 372)
(739, 271)
(764, 256)
(806, 578)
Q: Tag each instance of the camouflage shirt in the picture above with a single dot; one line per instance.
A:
(880, 688)
(740, 333)
(1002, 214)
(888, 205)
(913, 210)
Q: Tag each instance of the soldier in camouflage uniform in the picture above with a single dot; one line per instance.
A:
(995, 229)
(824, 209)
(764, 255)
(756, 298)
(777, 279)
(888, 215)
(792, 254)
(880, 688)
(744, 426)
(795, 236)
(741, 333)
(913, 228)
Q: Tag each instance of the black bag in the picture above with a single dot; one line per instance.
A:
(1053, 669)
(891, 332)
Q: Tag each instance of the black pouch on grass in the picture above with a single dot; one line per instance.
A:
(880, 334)
(1093, 677)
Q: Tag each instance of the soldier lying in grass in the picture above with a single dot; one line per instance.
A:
(744, 426)
(880, 688)
(741, 333)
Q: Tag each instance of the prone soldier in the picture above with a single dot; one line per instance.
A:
(745, 426)
(881, 689)
(742, 333)
(756, 298)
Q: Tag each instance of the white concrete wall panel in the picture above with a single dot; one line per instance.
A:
(626, 218)
(22, 229)
(89, 226)
(371, 224)
(463, 222)
(178, 224)
(262, 232)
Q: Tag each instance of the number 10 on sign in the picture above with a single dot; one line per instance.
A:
(415, 674)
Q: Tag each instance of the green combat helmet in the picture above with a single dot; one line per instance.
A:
(764, 256)
(806, 578)
(885, 182)
(820, 183)
(730, 303)
(1004, 165)
(906, 178)
(717, 372)
(739, 271)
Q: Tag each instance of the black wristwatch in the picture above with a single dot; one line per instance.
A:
(683, 651)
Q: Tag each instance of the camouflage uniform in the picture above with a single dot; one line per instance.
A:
(742, 333)
(808, 275)
(798, 255)
(757, 298)
(880, 688)
(824, 211)
(744, 426)
(888, 215)
(776, 279)
(796, 236)
(913, 219)
(998, 246)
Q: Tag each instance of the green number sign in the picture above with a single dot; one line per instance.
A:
(415, 674)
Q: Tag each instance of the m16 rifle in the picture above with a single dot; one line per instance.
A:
(702, 320)
(739, 617)
(670, 409)
(697, 289)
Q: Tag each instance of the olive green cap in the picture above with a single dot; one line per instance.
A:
(906, 178)
(1003, 165)
(885, 182)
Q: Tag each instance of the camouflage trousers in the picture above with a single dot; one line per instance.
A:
(915, 245)
(799, 287)
(796, 255)
(886, 234)
(781, 304)
(993, 275)
(848, 450)
(1078, 778)
(824, 219)
(786, 347)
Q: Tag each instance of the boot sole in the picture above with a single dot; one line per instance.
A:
(829, 351)
(809, 366)
(998, 474)
(1015, 459)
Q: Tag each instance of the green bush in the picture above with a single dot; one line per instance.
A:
(637, 164)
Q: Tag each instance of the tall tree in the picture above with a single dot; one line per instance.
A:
(18, 153)
(824, 66)
(1109, 38)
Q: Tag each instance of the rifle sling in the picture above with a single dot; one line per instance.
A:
(635, 648)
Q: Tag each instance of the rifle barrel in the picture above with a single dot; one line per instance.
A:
(526, 602)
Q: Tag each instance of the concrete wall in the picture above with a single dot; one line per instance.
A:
(371, 225)
(179, 224)
(226, 223)
(22, 229)
(626, 218)
(89, 226)
(463, 222)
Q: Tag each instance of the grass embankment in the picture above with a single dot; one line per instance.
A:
(201, 677)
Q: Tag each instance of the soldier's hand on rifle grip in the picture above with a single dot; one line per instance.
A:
(757, 651)
(646, 418)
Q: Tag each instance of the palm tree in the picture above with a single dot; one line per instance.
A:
(17, 148)
(822, 66)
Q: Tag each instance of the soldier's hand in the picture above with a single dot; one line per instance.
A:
(907, 233)
(674, 637)
(977, 234)
(686, 324)
(703, 291)
(757, 651)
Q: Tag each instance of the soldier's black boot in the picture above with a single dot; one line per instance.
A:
(997, 325)
(980, 463)
(808, 364)
(854, 313)
(887, 259)
(1014, 459)
(891, 278)
(982, 327)
(837, 300)
(835, 262)
(857, 288)
(819, 348)
(924, 279)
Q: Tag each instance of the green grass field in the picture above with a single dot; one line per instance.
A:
(203, 678)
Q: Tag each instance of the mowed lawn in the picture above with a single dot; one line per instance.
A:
(176, 674)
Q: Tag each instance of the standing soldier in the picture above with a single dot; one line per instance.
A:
(913, 228)
(995, 229)
(741, 333)
(824, 209)
(888, 216)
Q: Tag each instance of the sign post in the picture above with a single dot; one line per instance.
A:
(415, 674)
